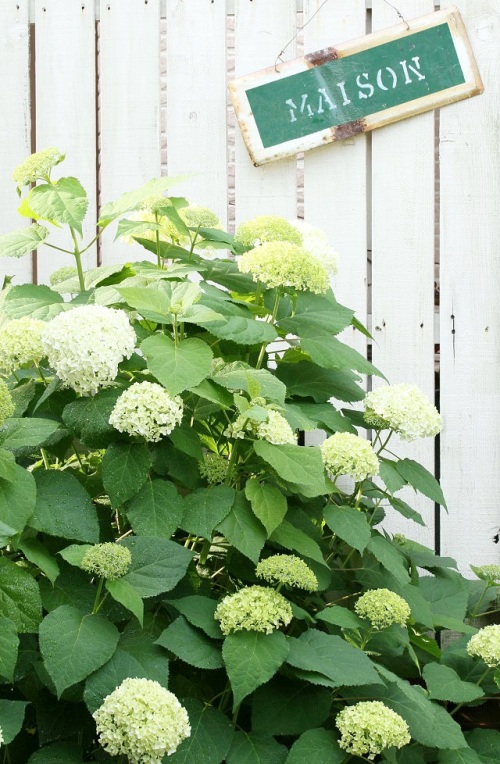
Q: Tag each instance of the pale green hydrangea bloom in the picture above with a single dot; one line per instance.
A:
(141, 720)
(37, 166)
(488, 572)
(63, 274)
(348, 454)
(7, 407)
(213, 468)
(486, 645)
(315, 241)
(167, 231)
(287, 569)
(383, 608)
(404, 409)
(254, 608)
(282, 264)
(20, 343)
(108, 560)
(265, 228)
(202, 217)
(85, 345)
(275, 430)
(148, 410)
(369, 727)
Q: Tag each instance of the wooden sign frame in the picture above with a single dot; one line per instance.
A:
(355, 87)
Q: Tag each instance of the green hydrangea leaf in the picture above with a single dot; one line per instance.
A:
(64, 201)
(58, 753)
(336, 355)
(74, 645)
(459, 756)
(139, 643)
(88, 418)
(340, 616)
(34, 300)
(17, 501)
(157, 564)
(349, 524)
(12, 716)
(23, 436)
(389, 474)
(64, 508)
(20, 599)
(191, 645)
(296, 540)
(243, 530)
(296, 464)
(421, 480)
(447, 597)
(268, 503)
(132, 200)
(9, 646)
(123, 592)
(200, 612)
(289, 707)
(252, 748)
(308, 380)
(156, 510)
(125, 468)
(486, 743)
(177, 367)
(205, 508)
(322, 415)
(317, 316)
(106, 679)
(251, 659)
(444, 683)
(19, 243)
(390, 557)
(210, 739)
(37, 553)
(316, 747)
(237, 378)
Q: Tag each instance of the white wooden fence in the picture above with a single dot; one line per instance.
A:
(140, 85)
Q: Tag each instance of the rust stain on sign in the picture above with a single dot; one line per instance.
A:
(345, 90)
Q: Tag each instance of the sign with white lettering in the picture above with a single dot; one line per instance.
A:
(352, 88)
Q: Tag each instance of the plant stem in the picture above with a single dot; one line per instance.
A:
(273, 319)
(45, 458)
(78, 457)
(157, 239)
(205, 551)
(98, 596)
(232, 462)
(59, 249)
(235, 716)
(78, 259)
(483, 676)
(476, 609)
(42, 377)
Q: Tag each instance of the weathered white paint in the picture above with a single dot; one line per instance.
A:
(129, 105)
(196, 119)
(66, 111)
(15, 125)
(262, 30)
(470, 328)
(402, 200)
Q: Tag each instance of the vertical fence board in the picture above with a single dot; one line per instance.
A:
(15, 125)
(66, 109)
(262, 30)
(129, 105)
(196, 101)
(470, 329)
(403, 263)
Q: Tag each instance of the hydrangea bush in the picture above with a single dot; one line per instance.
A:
(180, 579)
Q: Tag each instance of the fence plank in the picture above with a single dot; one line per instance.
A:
(66, 108)
(196, 105)
(262, 29)
(403, 262)
(15, 125)
(470, 275)
(130, 104)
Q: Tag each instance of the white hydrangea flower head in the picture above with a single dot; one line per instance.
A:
(85, 345)
(254, 608)
(37, 166)
(382, 608)
(108, 560)
(148, 410)
(486, 645)
(266, 228)
(287, 569)
(275, 430)
(347, 454)
(404, 409)
(315, 241)
(141, 720)
(20, 343)
(213, 468)
(7, 407)
(283, 264)
(489, 572)
(369, 727)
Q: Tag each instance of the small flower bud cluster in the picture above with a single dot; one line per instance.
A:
(486, 645)
(383, 608)
(85, 345)
(7, 407)
(369, 727)
(148, 410)
(275, 430)
(37, 166)
(108, 560)
(488, 572)
(281, 263)
(142, 721)
(20, 343)
(348, 454)
(287, 569)
(213, 468)
(404, 409)
(254, 608)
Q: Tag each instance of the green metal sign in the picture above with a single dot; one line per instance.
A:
(353, 87)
